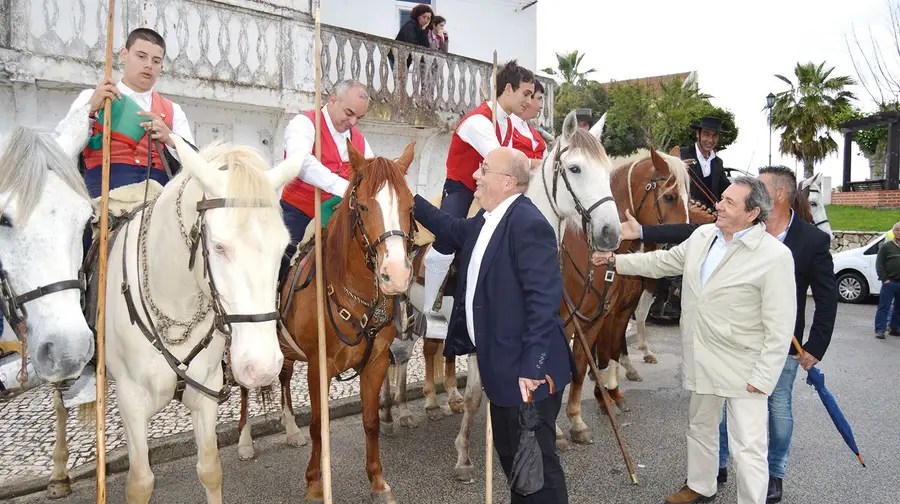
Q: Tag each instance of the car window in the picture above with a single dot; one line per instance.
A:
(873, 249)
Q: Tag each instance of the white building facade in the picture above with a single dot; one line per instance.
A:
(242, 69)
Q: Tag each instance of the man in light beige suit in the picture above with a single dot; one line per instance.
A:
(737, 319)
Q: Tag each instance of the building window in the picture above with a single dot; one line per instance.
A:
(404, 7)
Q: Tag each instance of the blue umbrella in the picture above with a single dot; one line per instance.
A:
(816, 378)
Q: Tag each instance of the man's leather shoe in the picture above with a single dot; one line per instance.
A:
(722, 477)
(687, 496)
(774, 492)
(879, 334)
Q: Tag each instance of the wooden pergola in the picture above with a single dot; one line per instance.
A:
(892, 175)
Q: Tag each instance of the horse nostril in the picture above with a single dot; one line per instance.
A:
(45, 352)
(385, 277)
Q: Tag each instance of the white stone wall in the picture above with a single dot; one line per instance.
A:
(846, 240)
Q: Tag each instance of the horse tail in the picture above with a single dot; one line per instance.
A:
(439, 363)
(266, 396)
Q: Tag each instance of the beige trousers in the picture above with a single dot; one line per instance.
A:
(747, 439)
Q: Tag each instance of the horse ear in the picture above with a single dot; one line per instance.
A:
(193, 162)
(73, 132)
(662, 167)
(357, 160)
(285, 171)
(676, 151)
(406, 158)
(569, 126)
(597, 129)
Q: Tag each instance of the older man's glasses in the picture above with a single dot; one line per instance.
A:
(485, 170)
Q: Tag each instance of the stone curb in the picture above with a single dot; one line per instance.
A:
(182, 445)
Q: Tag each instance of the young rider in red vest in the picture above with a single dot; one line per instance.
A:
(344, 110)
(526, 137)
(143, 61)
(474, 138)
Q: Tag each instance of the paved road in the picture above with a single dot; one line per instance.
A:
(861, 371)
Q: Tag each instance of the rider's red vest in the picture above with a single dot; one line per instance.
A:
(463, 159)
(301, 195)
(524, 144)
(123, 150)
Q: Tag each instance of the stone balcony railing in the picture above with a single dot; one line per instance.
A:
(248, 52)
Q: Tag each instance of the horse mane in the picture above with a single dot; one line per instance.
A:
(24, 164)
(339, 231)
(676, 167)
(588, 144)
(801, 205)
(247, 181)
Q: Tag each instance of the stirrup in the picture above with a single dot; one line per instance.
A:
(435, 325)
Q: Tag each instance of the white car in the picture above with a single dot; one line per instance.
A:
(855, 272)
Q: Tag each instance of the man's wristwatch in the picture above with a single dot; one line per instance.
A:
(611, 263)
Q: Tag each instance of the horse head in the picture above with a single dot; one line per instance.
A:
(811, 189)
(239, 234)
(377, 213)
(575, 178)
(45, 209)
(657, 188)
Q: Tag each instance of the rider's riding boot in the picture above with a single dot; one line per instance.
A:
(437, 265)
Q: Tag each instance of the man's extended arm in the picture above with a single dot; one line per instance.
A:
(667, 233)
(824, 291)
(656, 264)
(537, 266)
(442, 224)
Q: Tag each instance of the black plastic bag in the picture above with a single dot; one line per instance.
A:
(527, 475)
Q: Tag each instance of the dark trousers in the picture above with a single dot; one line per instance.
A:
(456, 200)
(296, 222)
(505, 423)
(889, 292)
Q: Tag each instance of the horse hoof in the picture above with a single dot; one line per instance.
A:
(650, 359)
(387, 428)
(458, 406)
(633, 376)
(562, 445)
(437, 413)
(246, 453)
(465, 474)
(582, 436)
(385, 497)
(297, 439)
(59, 489)
(408, 421)
(621, 406)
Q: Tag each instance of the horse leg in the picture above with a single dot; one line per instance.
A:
(245, 441)
(432, 408)
(625, 360)
(562, 444)
(60, 485)
(579, 430)
(314, 491)
(610, 380)
(294, 435)
(135, 417)
(404, 417)
(454, 398)
(464, 470)
(641, 313)
(370, 384)
(385, 401)
(209, 465)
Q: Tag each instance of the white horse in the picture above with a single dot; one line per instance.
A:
(201, 263)
(45, 208)
(581, 169)
(812, 190)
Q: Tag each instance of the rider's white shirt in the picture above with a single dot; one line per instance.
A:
(478, 131)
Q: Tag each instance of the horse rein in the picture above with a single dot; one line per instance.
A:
(13, 308)
(560, 172)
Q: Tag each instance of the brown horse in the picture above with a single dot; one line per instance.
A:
(367, 270)
(653, 187)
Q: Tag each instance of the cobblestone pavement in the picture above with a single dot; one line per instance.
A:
(27, 422)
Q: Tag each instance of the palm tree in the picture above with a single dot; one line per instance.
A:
(807, 113)
(568, 68)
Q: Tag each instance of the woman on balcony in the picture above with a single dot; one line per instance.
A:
(415, 31)
(437, 35)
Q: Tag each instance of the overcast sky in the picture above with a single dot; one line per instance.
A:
(736, 47)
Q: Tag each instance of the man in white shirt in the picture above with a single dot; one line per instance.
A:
(507, 304)
(475, 137)
(346, 107)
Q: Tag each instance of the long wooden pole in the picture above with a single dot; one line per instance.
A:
(489, 429)
(100, 405)
(320, 288)
(607, 401)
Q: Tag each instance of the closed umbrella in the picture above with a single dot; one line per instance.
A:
(527, 474)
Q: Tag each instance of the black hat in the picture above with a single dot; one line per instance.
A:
(710, 123)
(584, 114)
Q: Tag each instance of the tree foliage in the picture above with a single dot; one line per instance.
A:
(587, 94)
(568, 68)
(877, 67)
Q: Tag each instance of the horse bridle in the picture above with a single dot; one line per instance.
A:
(585, 213)
(811, 190)
(370, 249)
(13, 308)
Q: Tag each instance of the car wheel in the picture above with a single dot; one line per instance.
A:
(852, 287)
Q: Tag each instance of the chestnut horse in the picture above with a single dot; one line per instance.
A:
(366, 272)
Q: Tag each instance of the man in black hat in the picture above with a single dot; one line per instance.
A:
(708, 181)
(585, 118)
